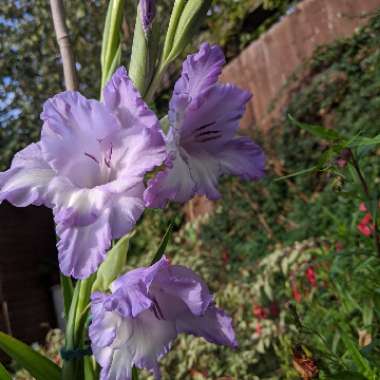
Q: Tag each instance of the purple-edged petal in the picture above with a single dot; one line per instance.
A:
(75, 206)
(200, 71)
(175, 183)
(104, 324)
(145, 340)
(242, 157)
(181, 283)
(131, 291)
(217, 119)
(215, 326)
(125, 102)
(74, 137)
(26, 181)
(138, 151)
(82, 248)
(126, 209)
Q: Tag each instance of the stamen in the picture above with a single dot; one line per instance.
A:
(92, 157)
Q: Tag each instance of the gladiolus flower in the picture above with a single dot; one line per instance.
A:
(202, 142)
(89, 168)
(146, 310)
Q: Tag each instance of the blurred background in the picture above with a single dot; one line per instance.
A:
(265, 248)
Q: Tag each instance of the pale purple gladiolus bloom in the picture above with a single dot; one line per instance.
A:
(89, 167)
(147, 309)
(204, 118)
(148, 12)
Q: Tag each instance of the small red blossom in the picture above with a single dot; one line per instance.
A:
(311, 277)
(296, 293)
(259, 312)
(362, 207)
(365, 226)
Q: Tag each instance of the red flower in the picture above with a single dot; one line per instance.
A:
(366, 227)
(311, 277)
(296, 293)
(259, 312)
(362, 207)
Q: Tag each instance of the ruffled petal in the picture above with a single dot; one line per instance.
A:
(74, 137)
(126, 209)
(138, 152)
(75, 206)
(215, 326)
(125, 102)
(200, 71)
(82, 248)
(26, 181)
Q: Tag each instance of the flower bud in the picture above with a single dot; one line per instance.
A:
(148, 12)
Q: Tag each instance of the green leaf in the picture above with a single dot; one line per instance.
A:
(67, 292)
(4, 375)
(191, 18)
(114, 65)
(39, 367)
(113, 265)
(360, 361)
(318, 131)
(300, 172)
(346, 375)
(364, 141)
(163, 244)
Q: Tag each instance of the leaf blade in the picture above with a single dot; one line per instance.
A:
(38, 366)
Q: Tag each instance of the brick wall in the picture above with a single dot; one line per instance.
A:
(264, 66)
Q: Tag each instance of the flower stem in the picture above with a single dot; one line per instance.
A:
(62, 34)
(367, 193)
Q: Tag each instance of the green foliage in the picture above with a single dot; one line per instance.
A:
(39, 367)
(113, 266)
